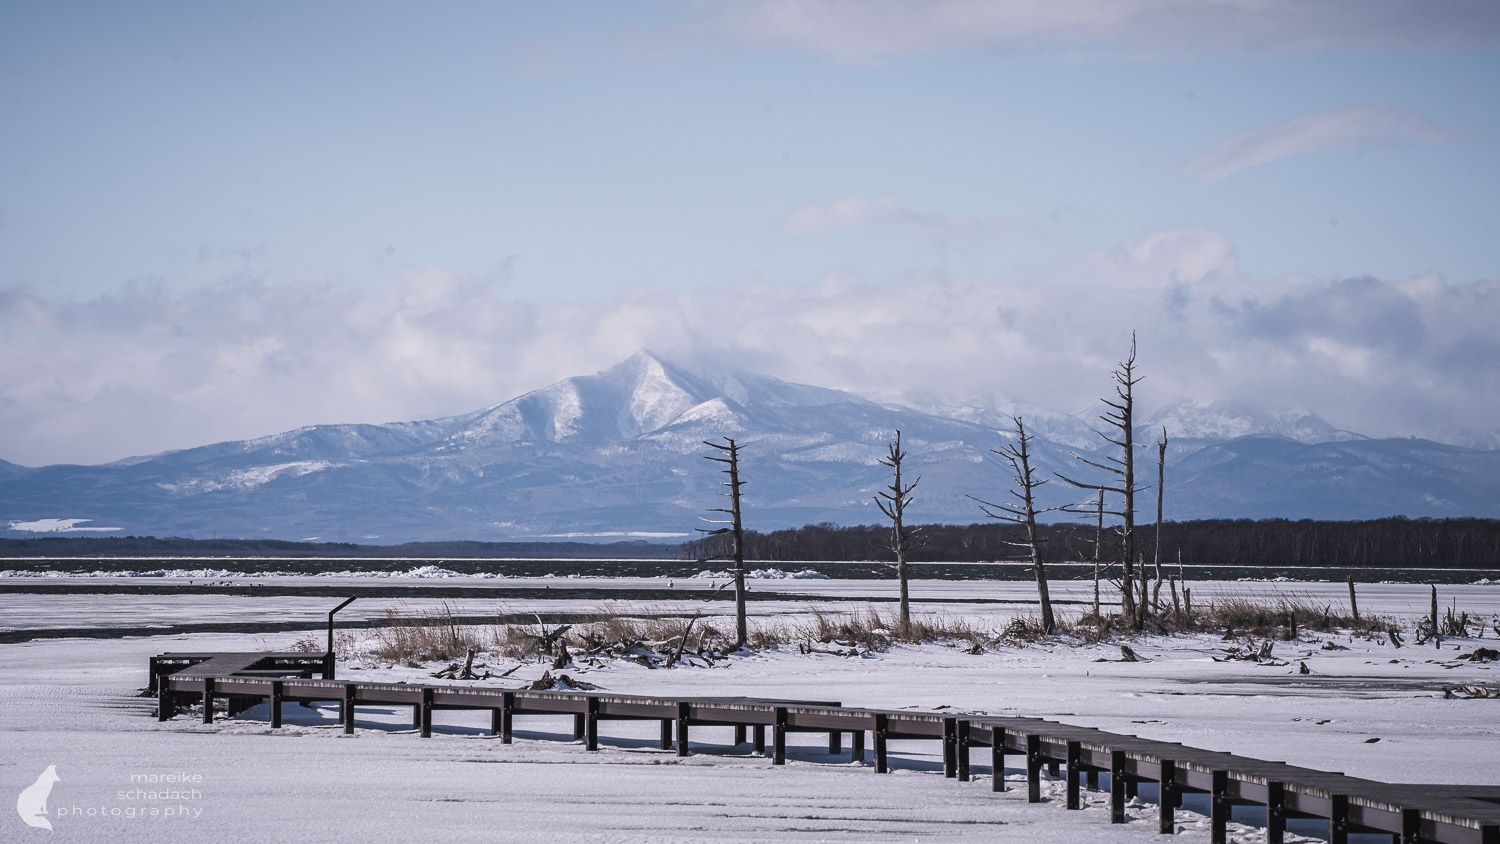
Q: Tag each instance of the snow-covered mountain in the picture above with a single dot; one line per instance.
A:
(619, 452)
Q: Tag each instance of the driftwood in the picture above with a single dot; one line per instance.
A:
(1470, 693)
(454, 672)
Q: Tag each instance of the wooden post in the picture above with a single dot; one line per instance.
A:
(963, 751)
(882, 724)
(1275, 813)
(1091, 779)
(950, 747)
(275, 704)
(739, 734)
(1353, 601)
(778, 738)
(1033, 769)
(857, 747)
(579, 727)
(507, 716)
(758, 738)
(835, 742)
(1218, 810)
(666, 734)
(997, 758)
(684, 711)
(1075, 761)
(591, 725)
(1117, 786)
(426, 709)
(496, 719)
(1411, 826)
(1338, 820)
(416, 716)
(208, 700)
(348, 712)
(1166, 816)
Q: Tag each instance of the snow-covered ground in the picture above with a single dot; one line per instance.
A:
(71, 703)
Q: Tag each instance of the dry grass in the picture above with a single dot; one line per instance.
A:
(656, 635)
(411, 640)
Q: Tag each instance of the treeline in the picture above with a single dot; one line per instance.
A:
(1395, 542)
(151, 546)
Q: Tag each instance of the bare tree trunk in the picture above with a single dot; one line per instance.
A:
(1025, 513)
(1098, 548)
(893, 504)
(1121, 417)
(731, 450)
(1161, 478)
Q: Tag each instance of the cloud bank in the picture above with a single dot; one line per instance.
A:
(146, 369)
(857, 28)
(1360, 126)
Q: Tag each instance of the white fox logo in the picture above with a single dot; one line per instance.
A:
(32, 804)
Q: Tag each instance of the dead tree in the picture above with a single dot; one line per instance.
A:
(1161, 477)
(1023, 511)
(904, 538)
(1121, 417)
(731, 459)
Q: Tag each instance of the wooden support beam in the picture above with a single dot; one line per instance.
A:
(208, 700)
(416, 716)
(348, 710)
(1054, 770)
(591, 725)
(1117, 786)
(684, 711)
(1166, 797)
(835, 742)
(426, 711)
(778, 738)
(758, 739)
(1275, 813)
(882, 728)
(579, 728)
(1033, 769)
(275, 704)
(1338, 820)
(666, 734)
(1411, 827)
(1091, 779)
(1489, 834)
(507, 716)
(963, 751)
(997, 760)
(950, 747)
(1218, 808)
(1075, 761)
(496, 722)
(739, 734)
(163, 700)
(857, 747)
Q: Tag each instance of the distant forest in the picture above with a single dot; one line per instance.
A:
(1395, 542)
(151, 546)
(1382, 543)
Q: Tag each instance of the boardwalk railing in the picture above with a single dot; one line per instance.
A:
(1409, 813)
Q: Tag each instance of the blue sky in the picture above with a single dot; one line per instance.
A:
(222, 220)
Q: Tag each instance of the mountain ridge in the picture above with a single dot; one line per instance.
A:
(620, 450)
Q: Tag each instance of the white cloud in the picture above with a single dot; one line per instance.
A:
(146, 370)
(1359, 126)
(853, 28)
(857, 213)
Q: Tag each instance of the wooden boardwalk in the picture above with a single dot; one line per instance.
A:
(1407, 812)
